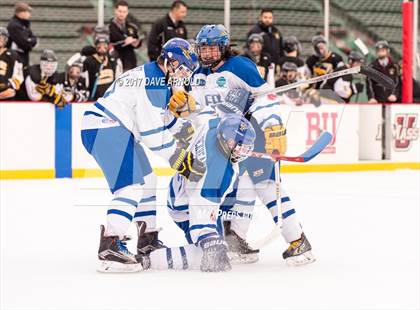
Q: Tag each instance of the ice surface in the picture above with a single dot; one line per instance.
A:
(364, 228)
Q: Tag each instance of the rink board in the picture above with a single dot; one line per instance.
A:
(41, 141)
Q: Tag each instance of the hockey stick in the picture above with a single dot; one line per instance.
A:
(371, 73)
(323, 140)
(316, 148)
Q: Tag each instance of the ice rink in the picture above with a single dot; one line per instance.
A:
(363, 226)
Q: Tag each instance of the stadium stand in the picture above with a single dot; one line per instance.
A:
(59, 23)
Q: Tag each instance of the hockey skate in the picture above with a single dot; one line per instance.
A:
(114, 256)
(239, 251)
(299, 252)
(215, 257)
(147, 242)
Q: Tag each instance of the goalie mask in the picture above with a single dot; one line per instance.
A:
(178, 55)
(212, 43)
(48, 63)
(235, 137)
(4, 36)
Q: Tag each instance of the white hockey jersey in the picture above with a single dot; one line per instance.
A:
(137, 100)
(210, 88)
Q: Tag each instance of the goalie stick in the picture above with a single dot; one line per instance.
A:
(371, 73)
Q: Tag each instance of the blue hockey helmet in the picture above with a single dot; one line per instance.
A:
(180, 56)
(212, 35)
(235, 137)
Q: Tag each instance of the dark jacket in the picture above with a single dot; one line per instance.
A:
(273, 40)
(21, 39)
(117, 36)
(376, 90)
(296, 60)
(162, 31)
(101, 74)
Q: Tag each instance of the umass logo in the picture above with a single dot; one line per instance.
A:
(404, 131)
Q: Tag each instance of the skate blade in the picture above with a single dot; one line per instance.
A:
(236, 258)
(300, 260)
(106, 266)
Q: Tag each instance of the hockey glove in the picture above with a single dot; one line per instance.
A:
(183, 161)
(58, 100)
(215, 258)
(8, 93)
(185, 135)
(182, 104)
(275, 139)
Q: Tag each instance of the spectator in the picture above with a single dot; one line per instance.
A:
(21, 39)
(292, 50)
(273, 40)
(298, 96)
(323, 61)
(74, 85)
(11, 75)
(384, 63)
(124, 36)
(344, 86)
(102, 68)
(43, 81)
(166, 28)
(254, 52)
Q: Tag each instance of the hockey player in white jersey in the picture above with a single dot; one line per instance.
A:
(221, 71)
(132, 114)
(221, 144)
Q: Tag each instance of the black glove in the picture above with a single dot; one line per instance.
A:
(183, 161)
(185, 135)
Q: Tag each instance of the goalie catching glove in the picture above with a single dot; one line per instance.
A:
(275, 139)
(184, 162)
(182, 104)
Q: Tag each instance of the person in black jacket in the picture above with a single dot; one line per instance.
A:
(21, 38)
(323, 61)
(292, 50)
(273, 40)
(43, 81)
(11, 75)
(384, 63)
(74, 85)
(102, 68)
(166, 28)
(254, 52)
(344, 86)
(124, 36)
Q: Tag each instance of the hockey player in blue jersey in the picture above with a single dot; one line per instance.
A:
(132, 115)
(221, 71)
(221, 144)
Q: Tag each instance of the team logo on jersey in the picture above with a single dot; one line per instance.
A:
(404, 131)
(221, 81)
(243, 127)
(200, 150)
